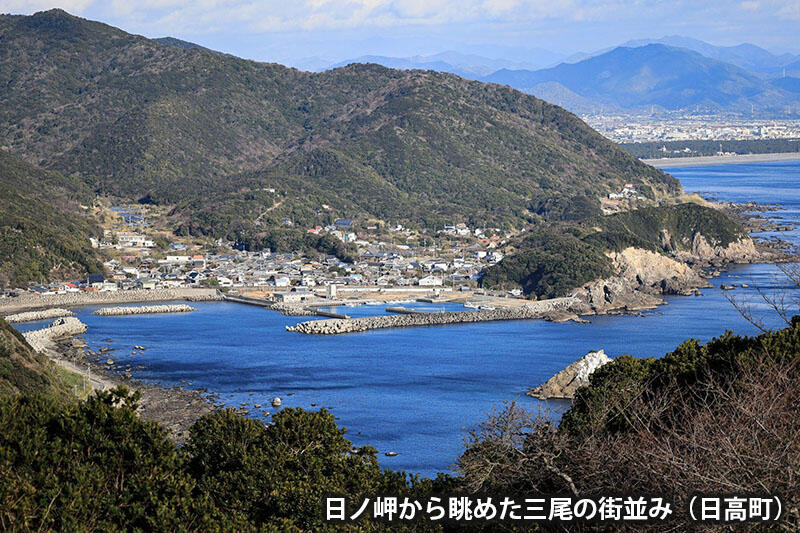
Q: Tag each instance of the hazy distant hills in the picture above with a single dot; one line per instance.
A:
(747, 56)
(469, 66)
(654, 75)
(671, 73)
(239, 146)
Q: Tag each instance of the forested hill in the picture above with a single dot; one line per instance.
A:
(216, 134)
(44, 231)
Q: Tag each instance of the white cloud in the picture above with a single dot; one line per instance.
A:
(189, 17)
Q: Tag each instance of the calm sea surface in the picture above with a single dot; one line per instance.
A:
(414, 391)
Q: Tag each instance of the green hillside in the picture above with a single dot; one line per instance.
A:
(22, 371)
(42, 233)
(214, 134)
(553, 261)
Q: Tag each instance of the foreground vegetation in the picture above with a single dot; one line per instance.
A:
(713, 418)
(719, 418)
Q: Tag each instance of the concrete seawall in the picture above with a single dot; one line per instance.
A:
(30, 301)
(556, 307)
(144, 310)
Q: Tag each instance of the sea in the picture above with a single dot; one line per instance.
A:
(417, 392)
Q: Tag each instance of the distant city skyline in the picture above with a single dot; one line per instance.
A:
(537, 31)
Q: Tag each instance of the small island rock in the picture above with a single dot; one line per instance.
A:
(565, 383)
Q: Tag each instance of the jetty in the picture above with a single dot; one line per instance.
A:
(329, 314)
(144, 310)
(554, 308)
(41, 339)
(405, 311)
(31, 316)
(247, 300)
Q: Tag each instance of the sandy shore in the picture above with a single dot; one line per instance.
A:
(671, 162)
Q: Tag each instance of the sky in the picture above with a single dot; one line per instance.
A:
(292, 31)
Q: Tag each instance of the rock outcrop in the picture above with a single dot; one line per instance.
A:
(703, 253)
(565, 383)
(642, 277)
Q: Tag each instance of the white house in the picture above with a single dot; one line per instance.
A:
(430, 281)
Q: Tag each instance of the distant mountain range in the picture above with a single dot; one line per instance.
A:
(668, 74)
(654, 75)
(469, 66)
(747, 56)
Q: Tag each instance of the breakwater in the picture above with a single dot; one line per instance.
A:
(41, 339)
(32, 301)
(556, 307)
(144, 310)
(30, 316)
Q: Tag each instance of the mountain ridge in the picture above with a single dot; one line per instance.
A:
(652, 75)
(211, 133)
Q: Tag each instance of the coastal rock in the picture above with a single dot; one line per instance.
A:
(643, 275)
(565, 383)
(656, 273)
(702, 252)
(276, 402)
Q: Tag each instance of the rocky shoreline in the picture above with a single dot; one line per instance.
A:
(144, 310)
(176, 408)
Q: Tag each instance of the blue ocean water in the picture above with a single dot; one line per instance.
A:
(415, 391)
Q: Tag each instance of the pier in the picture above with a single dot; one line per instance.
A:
(405, 311)
(246, 300)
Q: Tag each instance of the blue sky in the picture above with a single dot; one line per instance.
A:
(288, 30)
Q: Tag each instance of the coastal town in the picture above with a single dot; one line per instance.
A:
(691, 127)
(141, 257)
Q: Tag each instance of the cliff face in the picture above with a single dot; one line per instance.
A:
(740, 251)
(643, 275)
